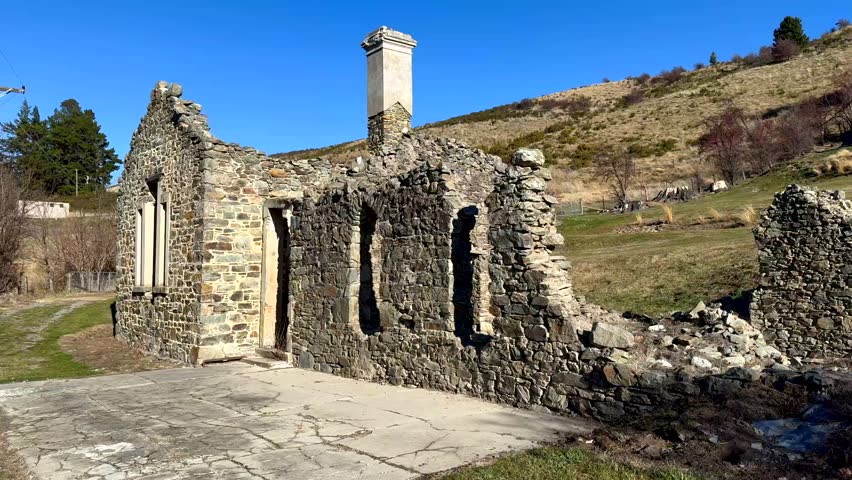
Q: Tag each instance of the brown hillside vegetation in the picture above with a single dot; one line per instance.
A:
(658, 119)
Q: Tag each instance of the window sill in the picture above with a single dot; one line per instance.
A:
(140, 290)
(160, 290)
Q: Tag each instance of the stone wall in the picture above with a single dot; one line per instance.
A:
(430, 265)
(166, 321)
(210, 307)
(804, 302)
(385, 129)
(522, 346)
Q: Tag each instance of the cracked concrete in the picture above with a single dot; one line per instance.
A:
(239, 421)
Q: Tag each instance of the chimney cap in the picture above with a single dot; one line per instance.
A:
(376, 38)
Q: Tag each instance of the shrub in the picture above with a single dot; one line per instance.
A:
(698, 66)
(763, 57)
(578, 104)
(669, 77)
(557, 127)
(842, 23)
(784, 50)
(643, 79)
(791, 29)
(606, 80)
(724, 143)
(713, 58)
(634, 97)
(525, 104)
(583, 155)
(798, 130)
(736, 58)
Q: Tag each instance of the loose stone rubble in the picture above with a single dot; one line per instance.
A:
(804, 302)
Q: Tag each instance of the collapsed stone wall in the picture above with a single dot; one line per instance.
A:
(804, 301)
(429, 265)
(523, 347)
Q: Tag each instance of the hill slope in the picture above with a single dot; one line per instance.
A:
(663, 125)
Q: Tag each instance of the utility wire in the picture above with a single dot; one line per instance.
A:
(11, 67)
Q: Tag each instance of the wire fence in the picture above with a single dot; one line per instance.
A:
(90, 281)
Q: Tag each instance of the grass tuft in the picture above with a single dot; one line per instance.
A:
(668, 211)
(748, 216)
(715, 214)
(552, 463)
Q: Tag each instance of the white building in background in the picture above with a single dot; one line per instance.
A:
(45, 209)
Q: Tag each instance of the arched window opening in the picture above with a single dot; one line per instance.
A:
(368, 309)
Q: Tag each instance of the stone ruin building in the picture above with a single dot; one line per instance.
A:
(428, 264)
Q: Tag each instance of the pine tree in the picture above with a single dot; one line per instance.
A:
(77, 144)
(713, 58)
(46, 154)
(24, 146)
(791, 29)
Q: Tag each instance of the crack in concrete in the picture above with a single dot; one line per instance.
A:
(183, 424)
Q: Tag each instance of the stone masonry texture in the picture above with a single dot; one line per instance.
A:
(429, 264)
(387, 128)
(804, 301)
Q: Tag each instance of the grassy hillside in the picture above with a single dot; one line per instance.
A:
(662, 128)
(647, 265)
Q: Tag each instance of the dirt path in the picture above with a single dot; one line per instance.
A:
(97, 348)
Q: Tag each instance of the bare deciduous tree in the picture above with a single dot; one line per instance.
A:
(87, 243)
(11, 228)
(725, 142)
(618, 170)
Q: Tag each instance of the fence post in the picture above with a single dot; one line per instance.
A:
(581, 206)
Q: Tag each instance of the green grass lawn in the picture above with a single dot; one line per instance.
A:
(28, 352)
(551, 463)
(657, 272)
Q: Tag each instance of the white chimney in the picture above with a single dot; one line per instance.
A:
(389, 102)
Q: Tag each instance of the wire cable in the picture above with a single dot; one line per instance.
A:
(15, 72)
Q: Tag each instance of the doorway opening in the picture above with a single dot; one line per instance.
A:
(277, 308)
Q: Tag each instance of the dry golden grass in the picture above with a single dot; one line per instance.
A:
(715, 214)
(677, 113)
(639, 219)
(668, 213)
(748, 216)
(838, 164)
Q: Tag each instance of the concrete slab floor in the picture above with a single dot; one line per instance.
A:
(240, 421)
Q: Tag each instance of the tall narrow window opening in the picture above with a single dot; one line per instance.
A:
(464, 269)
(281, 225)
(368, 309)
(152, 236)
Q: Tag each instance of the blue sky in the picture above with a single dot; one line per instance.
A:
(287, 75)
